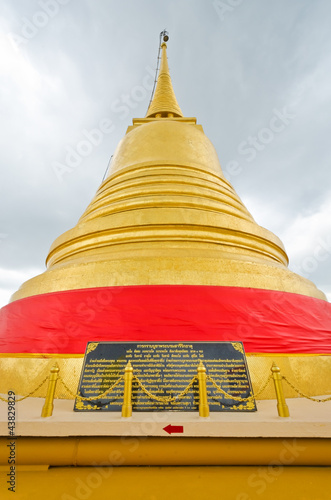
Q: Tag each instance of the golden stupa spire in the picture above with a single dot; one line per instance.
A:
(164, 103)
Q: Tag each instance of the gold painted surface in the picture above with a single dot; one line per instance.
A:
(145, 269)
(89, 450)
(309, 373)
(164, 100)
(184, 483)
(22, 375)
(157, 222)
(167, 224)
(161, 143)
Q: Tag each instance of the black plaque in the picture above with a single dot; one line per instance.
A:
(165, 369)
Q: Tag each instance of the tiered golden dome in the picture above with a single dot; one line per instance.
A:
(166, 215)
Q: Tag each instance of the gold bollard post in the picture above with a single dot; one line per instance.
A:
(127, 406)
(282, 407)
(203, 401)
(47, 410)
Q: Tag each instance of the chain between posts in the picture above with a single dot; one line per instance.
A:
(165, 399)
(170, 399)
(30, 393)
(100, 396)
(305, 395)
(250, 398)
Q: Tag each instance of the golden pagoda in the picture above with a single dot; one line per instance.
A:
(167, 251)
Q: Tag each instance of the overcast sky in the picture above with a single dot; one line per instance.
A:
(255, 73)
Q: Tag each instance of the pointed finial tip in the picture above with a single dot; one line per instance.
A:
(163, 102)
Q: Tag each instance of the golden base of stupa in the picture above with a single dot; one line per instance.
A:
(245, 456)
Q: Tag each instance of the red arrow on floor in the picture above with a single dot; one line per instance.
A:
(174, 429)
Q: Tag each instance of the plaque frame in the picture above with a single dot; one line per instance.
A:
(155, 364)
